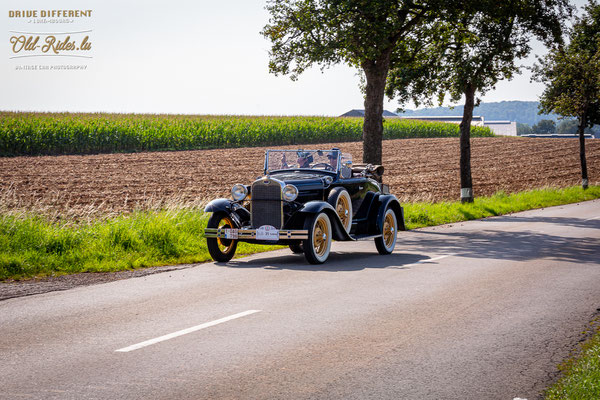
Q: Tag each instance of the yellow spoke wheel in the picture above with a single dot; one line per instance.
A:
(389, 232)
(221, 249)
(225, 244)
(321, 237)
(317, 246)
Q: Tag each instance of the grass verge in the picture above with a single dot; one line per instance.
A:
(581, 375)
(418, 215)
(33, 246)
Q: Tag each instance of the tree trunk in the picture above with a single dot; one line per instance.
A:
(376, 74)
(466, 183)
(581, 132)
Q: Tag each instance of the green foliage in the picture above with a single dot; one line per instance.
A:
(32, 246)
(544, 127)
(581, 376)
(570, 126)
(523, 129)
(478, 47)
(47, 133)
(567, 127)
(352, 32)
(372, 36)
(418, 215)
(572, 73)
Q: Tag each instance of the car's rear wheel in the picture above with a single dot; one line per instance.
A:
(296, 247)
(317, 246)
(387, 241)
(340, 200)
(221, 249)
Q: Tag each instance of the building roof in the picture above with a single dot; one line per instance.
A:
(444, 118)
(361, 113)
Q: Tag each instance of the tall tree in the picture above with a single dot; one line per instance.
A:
(371, 35)
(572, 77)
(473, 53)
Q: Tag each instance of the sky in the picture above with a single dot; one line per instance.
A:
(178, 57)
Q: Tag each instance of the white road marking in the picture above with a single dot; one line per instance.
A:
(429, 260)
(589, 219)
(435, 259)
(185, 331)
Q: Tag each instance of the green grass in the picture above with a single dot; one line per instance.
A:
(65, 133)
(419, 215)
(33, 246)
(581, 375)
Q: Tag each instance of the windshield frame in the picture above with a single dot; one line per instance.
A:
(316, 152)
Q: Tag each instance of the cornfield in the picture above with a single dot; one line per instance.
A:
(24, 133)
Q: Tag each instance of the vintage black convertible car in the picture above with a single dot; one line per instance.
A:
(306, 199)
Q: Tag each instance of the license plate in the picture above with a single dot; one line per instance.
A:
(267, 232)
(231, 233)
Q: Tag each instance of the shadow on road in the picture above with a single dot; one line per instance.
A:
(560, 221)
(520, 245)
(337, 261)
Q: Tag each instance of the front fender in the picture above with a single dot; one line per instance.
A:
(219, 205)
(390, 201)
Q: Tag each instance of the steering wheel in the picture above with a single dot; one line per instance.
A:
(325, 165)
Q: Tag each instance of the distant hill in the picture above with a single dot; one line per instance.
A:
(525, 112)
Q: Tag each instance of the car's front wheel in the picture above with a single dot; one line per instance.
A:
(221, 249)
(317, 246)
(387, 241)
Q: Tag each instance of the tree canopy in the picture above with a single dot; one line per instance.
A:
(544, 127)
(415, 48)
(572, 72)
(572, 77)
(474, 51)
(371, 35)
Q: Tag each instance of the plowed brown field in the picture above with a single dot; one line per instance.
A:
(416, 169)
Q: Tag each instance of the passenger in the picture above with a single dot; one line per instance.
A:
(284, 164)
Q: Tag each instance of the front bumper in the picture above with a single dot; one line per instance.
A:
(250, 234)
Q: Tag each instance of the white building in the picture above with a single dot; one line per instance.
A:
(504, 128)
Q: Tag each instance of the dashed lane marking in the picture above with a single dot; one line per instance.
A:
(185, 331)
(435, 259)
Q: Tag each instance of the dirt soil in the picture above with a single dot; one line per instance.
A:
(416, 169)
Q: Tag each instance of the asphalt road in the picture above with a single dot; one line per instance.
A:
(477, 310)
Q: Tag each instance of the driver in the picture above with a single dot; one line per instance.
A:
(304, 160)
(333, 158)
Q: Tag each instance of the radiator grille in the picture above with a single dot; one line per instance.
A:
(266, 207)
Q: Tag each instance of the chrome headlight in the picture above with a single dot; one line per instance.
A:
(239, 192)
(289, 192)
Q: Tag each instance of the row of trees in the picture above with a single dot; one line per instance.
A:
(419, 50)
(548, 126)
